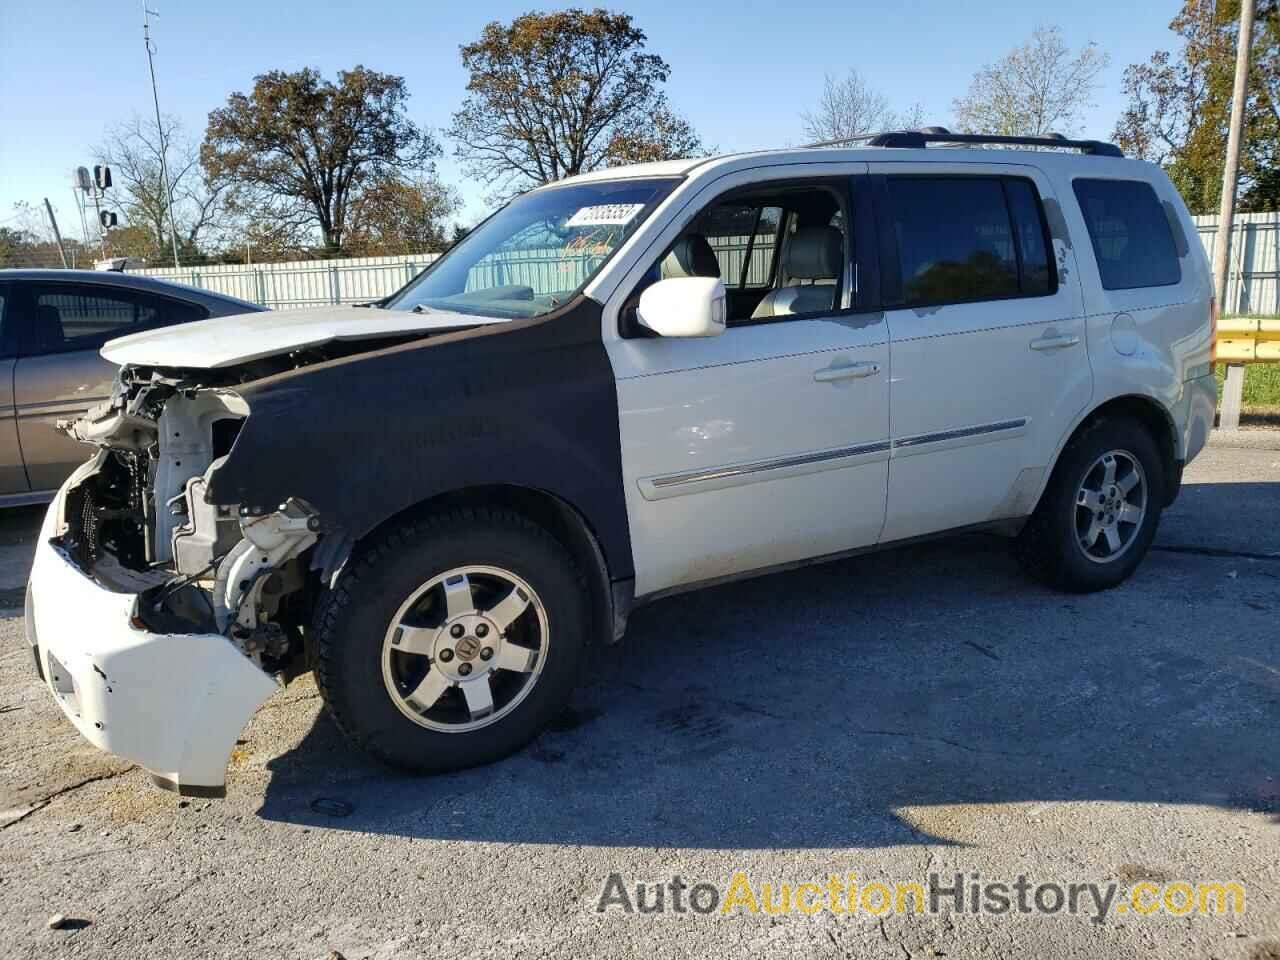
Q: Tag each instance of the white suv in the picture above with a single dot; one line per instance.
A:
(626, 384)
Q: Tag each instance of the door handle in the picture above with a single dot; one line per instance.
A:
(847, 371)
(1054, 343)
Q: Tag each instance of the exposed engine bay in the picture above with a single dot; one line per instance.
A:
(139, 520)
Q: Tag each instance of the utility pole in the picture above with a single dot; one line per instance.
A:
(102, 237)
(57, 235)
(1233, 389)
(164, 149)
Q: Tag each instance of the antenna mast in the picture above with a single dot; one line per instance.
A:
(164, 148)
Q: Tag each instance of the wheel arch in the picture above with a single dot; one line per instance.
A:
(1148, 411)
(610, 600)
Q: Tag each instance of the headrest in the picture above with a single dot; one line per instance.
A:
(48, 331)
(814, 253)
(692, 256)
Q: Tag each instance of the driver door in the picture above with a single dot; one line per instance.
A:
(768, 444)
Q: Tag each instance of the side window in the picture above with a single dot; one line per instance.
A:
(955, 240)
(962, 239)
(742, 234)
(1131, 238)
(781, 249)
(67, 316)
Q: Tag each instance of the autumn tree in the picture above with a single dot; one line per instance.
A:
(850, 107)
(551, 95)
(305, 148)
(133, 149)
(1040, 87)
(1180, 106)
(402, 215)
(666, 136)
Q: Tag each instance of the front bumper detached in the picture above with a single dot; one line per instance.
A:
(173, 703)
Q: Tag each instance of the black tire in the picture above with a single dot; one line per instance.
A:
(352, 620)
(1049, 546)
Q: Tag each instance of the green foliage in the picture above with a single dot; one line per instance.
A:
(1261, 385)
(1180, 106)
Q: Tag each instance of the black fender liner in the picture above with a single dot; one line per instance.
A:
(528, 403)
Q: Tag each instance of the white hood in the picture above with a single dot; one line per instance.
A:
(226, 341)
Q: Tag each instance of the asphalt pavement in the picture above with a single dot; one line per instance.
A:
(922, 711)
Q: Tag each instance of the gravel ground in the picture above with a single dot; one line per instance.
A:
(926, 710)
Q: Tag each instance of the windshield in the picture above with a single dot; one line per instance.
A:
(536, 252)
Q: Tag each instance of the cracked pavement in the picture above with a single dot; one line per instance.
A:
(922, 710)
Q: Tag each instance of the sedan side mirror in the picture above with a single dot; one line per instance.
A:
(684, 307)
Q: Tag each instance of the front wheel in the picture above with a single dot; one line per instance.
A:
(453, 640)
(1099, 514)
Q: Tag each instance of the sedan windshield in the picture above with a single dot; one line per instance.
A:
(536, 252)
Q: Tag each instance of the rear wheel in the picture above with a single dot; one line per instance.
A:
(1100, 512)
(453, 640)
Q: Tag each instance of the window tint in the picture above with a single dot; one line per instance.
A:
(729, 228)
(78, 317)
(1131, 237)
(955, 242)
(1024, 210)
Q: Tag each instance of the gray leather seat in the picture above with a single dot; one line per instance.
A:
(815, 254)
(691, 256)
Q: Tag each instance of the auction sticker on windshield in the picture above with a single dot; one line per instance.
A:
(604, 214)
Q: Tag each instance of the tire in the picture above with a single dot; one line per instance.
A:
(1053, 547)
(372, 637)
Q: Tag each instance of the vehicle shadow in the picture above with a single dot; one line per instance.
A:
(869, 702)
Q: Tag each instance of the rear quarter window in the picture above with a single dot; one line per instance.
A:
(1132, 242)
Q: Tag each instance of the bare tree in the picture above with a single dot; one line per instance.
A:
(133, 150)
(1037, 88)
(850, 107)
(27, 240)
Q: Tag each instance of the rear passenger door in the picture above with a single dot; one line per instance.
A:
(987, 345)
(59, 373)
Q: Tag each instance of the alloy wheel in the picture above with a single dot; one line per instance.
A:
(465, 649)
(1110, 506)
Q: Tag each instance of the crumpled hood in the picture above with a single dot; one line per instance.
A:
(227, 341)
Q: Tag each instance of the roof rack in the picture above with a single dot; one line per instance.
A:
(919, 139)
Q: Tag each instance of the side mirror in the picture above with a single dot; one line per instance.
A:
(684, 307)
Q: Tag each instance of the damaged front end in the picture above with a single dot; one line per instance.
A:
(140, 520)
(161, 620)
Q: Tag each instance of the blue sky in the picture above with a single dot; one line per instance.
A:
(742, 71)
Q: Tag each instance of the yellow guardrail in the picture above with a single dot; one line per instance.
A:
(1248, 340)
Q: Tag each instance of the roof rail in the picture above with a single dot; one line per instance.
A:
(919, 139)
